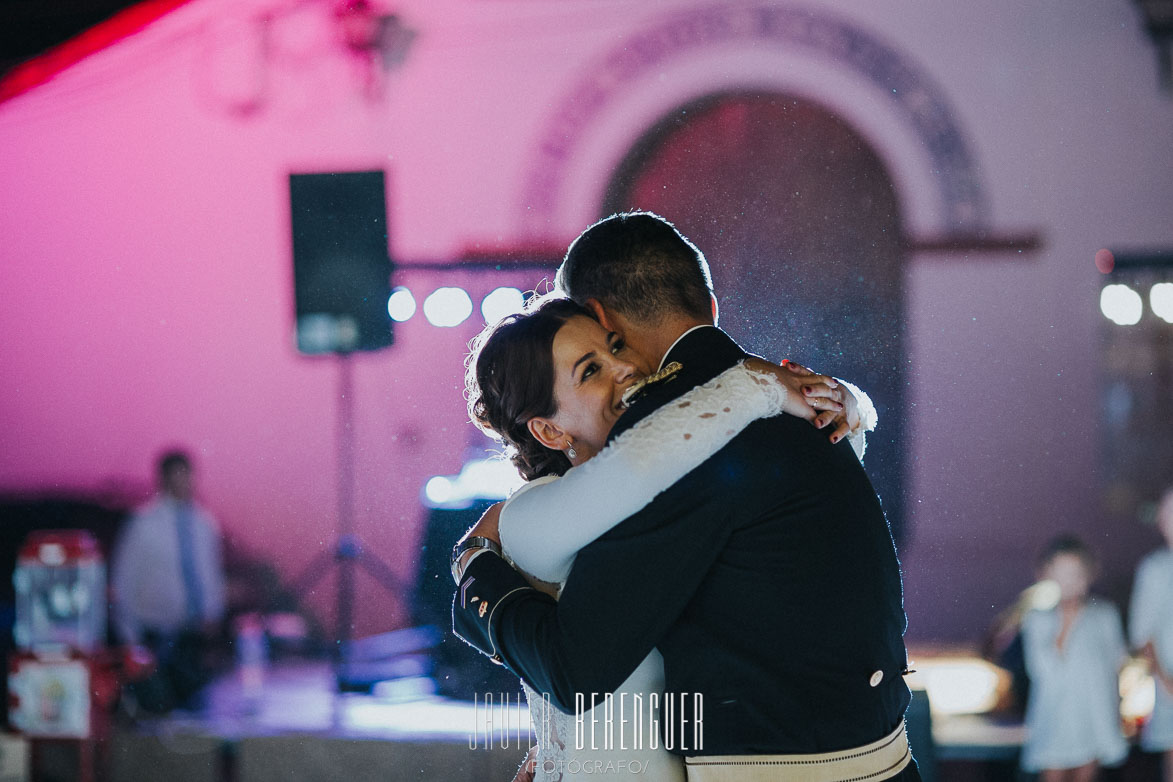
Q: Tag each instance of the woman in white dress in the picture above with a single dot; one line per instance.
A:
(1074, 652)
(1150, 629)
(556, 366)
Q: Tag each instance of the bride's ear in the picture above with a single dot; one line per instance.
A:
(547, 433)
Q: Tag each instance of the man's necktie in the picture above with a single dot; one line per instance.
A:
(187, 563)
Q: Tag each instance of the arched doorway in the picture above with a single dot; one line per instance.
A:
(801, 226)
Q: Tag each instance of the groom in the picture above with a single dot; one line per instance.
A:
(767, 577)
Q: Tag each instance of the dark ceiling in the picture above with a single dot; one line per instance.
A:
(30, 27)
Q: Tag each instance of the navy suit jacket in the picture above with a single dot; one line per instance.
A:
(767, 578)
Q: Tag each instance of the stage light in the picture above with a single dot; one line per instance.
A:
(479, 479)
(959, 685)
(439, 490)
(1121, 304)
(492, 478)
(1161, 301)
(447, 307)
(501, 302)
(401, 305)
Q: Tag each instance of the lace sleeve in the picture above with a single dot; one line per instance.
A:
(867, 419)
(544, 525)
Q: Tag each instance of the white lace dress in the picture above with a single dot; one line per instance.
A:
(545, 523)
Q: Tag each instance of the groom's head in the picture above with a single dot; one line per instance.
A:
(638, 266)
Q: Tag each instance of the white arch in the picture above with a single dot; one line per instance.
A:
(629, 96)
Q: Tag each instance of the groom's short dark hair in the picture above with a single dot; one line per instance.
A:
(638, 264)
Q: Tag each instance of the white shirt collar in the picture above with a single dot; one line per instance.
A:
(682, 336)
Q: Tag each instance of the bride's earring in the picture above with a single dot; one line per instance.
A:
(570, 452)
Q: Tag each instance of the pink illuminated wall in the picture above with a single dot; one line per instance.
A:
(145, 271)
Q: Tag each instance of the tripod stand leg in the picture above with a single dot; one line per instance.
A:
(382, 572)
(312, 573)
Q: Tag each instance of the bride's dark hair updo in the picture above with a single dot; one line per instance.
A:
(509, 379)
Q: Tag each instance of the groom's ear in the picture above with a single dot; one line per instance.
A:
(601, 314)
(547, 433)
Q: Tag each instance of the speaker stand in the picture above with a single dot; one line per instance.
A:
(348, 549)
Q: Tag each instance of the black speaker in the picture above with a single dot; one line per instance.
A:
(341, 269)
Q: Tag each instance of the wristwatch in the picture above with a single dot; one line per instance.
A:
(468, 544)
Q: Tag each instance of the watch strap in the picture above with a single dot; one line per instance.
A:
(468, 544)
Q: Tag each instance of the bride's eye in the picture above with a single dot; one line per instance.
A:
(590, 369)
(618, 345)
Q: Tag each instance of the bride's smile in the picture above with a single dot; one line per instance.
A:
(592, 369)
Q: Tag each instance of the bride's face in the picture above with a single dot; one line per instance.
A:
(592, 369)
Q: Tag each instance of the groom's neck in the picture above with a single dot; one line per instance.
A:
(656, 339)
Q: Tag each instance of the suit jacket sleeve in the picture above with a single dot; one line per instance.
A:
(625, 591)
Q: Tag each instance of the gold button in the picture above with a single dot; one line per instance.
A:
(877, 677)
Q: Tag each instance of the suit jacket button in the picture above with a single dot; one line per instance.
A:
(877, 677)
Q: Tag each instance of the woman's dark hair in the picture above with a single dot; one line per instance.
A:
(171, 459)
(509, 379)
(1067, 544)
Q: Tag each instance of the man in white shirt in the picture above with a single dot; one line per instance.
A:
(168, 585)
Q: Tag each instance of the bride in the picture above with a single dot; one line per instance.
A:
(549, 383)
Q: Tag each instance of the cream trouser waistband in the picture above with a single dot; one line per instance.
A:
(877, 761)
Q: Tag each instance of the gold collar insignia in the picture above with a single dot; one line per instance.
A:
(641, 386)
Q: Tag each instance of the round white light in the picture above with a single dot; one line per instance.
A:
(401, 305)
(438, 490)
(492, 478)
(959, 685)
(501, 302)
(1161, 301)
(447, 307)
(1121, 304)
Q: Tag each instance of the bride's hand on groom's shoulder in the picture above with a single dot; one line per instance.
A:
(820, 399)
(845, 417)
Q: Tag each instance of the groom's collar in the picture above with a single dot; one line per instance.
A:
(682, 336)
